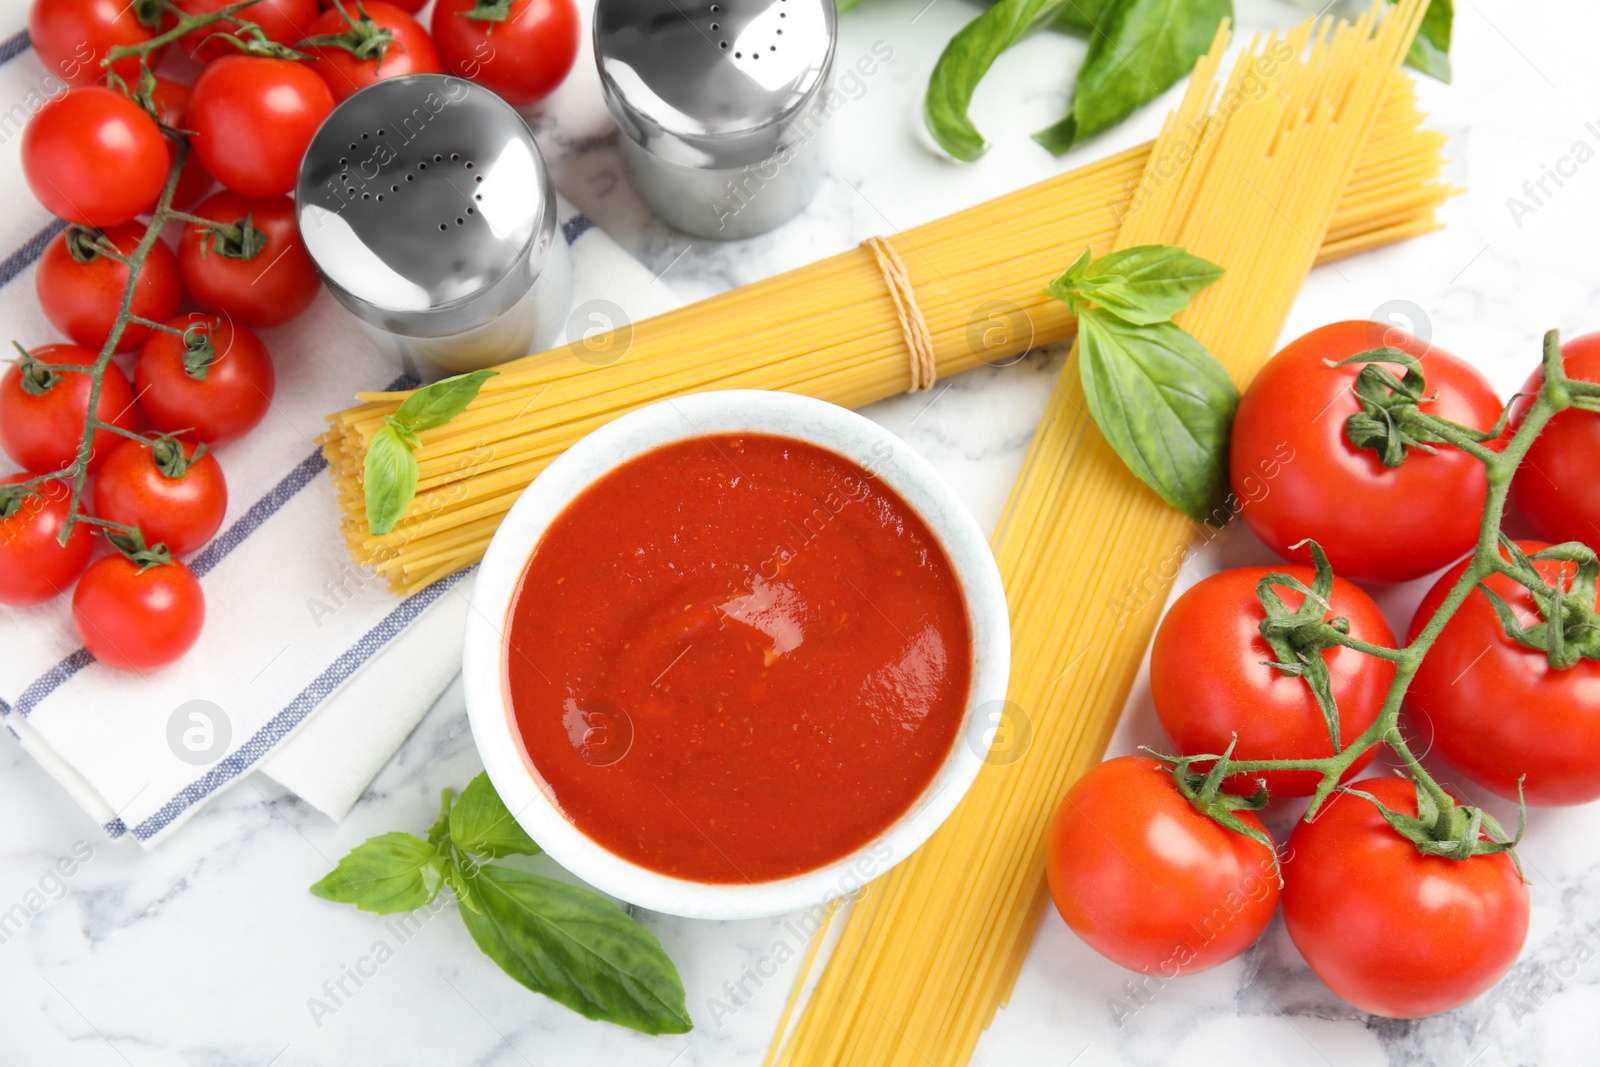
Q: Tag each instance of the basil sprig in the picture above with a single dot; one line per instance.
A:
(572, 945)
(1137, 50)
(1162, 402)
(389, 475)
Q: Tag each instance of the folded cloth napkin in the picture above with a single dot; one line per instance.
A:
(308, 668)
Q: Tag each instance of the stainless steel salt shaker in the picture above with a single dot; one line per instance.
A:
(429, 211)
(721, 106)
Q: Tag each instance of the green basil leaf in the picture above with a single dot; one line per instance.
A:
(1140, 50)
(389, 479)
(577, 949)
(1141, 285)
(964, 62)
(1430, 49)
(481, 824)
(1164, 404)
(434, 405)
(389, 873)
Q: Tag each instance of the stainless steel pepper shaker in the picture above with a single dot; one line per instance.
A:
(427, 207)
(720, 104)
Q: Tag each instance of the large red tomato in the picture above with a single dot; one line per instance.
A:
(1149, 882)
(72, 37)
(177, 501)
(1375, 523)
(34, 564)
(1391, 931)
(1209, 673)
(43, 411)
(284, 21)
(1556, 486)
(134, 618)
(81, 290)
(266, 289)
(94, 157)
(210, 395)
(1498, 711)
(523, 57)
(253, 119)
(410, 50)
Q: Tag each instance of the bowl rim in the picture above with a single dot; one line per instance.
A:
(643, 430)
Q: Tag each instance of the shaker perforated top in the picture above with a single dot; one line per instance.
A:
(713, 83)
(426, 205)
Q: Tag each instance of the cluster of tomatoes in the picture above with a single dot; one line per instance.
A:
(99, 156)
(1152, 883)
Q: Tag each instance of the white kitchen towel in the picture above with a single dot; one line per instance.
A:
(308, 668)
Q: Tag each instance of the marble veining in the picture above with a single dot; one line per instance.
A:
(209, 950)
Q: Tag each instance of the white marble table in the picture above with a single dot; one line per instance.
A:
(210, 951)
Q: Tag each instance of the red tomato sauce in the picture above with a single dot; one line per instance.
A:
(737, 658)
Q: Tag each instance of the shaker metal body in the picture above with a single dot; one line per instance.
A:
(721, 106)
(430, 214)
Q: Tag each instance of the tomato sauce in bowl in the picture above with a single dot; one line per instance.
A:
(737, 658)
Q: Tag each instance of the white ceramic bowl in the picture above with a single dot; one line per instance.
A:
(742, 411)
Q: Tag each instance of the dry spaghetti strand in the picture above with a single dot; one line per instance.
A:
(832, 329)
(1248, 173)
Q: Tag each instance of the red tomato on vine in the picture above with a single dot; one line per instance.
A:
(361, 58)
(258, 273)
(81, 288)
(1498, 711)
(133, 617)
(1556, 487)
(253, 119)
(522, 49)
(72, 37)
(94, 157)
(1149, 882)
(34, 565)
(213, 384)
(171, 494)
(43, 411)
(1390, 930)
(1211, 680)
(1376, 523)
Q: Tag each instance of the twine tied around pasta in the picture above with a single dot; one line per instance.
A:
(924, 363)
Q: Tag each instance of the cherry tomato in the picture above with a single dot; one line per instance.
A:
(137, 487)
(172, 103)
(42, 412)
(1555, 487)
(216, 394)
(1211, 683)
(253, 118)
(1391, 931)
(34, 565)
(410, 51)
(1149, 882)
(523, 58)
(72, 37)
(284, 21)
(1376, 524)
(82, 299)
(268, 289)
(1496, 710)
(138, 619)
(94, 157)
